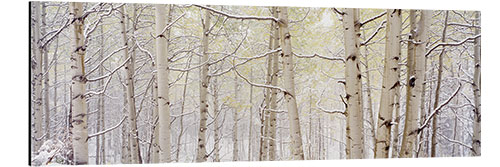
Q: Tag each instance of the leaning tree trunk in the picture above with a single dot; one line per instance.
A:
(129, 82)
(438, 86)
(78, 83)
(390, 83)
(163, 87)
(201, 155)
(415, 63)
(288, 79)
(37, 77)
(354, 111)
(476, 136)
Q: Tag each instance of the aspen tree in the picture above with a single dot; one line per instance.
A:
(156, 146)
(476, 136)
(100, 111)
(250, 126)
(37, 77)
(289, 83)
(438, 88)
(78, 84)
(129, 82)
(125, 137)
(264, 144)
(354, 129)
(216, 122)
(163, 87)
(235, 119)
(390, 83)
(45, 63)
(274, 92)
(201, 155)
(415, 63)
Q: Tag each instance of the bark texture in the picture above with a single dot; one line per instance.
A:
(78, 84)
(476, 136)
(354, 129)
(163, 87)
(390, 83)
(415, 63)
(201, 155)
(289, 83)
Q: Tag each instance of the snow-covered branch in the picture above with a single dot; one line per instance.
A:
(110, 73)
(320, 56)
(169, 25)
(103, 60)
(91, 93)
(455, 141)
(437, 109)
(380, 26)
(452, 44)
(107, 130)
(373, 18)
(246, 60)
(237, 16)
(256, 84)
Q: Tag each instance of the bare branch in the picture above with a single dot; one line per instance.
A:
(437, 109)
(455, 141)
(236, 16)
(323, 57)
(373, 18)
(110, 73)
(169, 25)
(452, 44)
(107, 130)
(380, 26)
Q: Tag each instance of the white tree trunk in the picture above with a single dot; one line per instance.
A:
(46, 85)
(390, 82)
(78, 83)
(129, 82)
(250, 125)
(216, 122)
(37, 77)
(100, 112)
(163, 89)
(354, 111)
(274, 92)
(235, 119)
(438, 88)
(476, 136)
(415, 63)
(125, 146)
(289, 83)
(201, 155)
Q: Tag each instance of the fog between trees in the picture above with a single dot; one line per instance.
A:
(152, 83)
